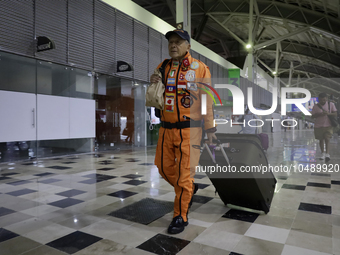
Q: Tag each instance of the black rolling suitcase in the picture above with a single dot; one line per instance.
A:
(236, 152)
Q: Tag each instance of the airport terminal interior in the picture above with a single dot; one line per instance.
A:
(78, 144)
(117, 203)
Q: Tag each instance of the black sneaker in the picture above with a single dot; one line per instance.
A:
(195, 190)
(177, 225)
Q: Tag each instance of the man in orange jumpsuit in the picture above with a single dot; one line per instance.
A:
(178, 147)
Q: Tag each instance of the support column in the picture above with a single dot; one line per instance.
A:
(250, 45)
(250, 28)
(276, 73)
(290, 78)
(290, 73)
(299, 81)
(183, 15)
(276, 84)
(250, 64)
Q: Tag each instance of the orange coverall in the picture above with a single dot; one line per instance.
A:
(178, 150)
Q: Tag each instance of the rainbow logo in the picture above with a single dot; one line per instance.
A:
(209, 93)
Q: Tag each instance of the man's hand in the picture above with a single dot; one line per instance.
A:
(211, 136)
(155, 78)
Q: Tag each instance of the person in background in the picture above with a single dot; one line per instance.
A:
(285, 124)
(247, 129)
(323, 129)
(272, 126)
(130, 125)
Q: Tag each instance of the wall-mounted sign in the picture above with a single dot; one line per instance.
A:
(233, 78)
(179, 25)
(123, 67)
(309, 105)
(44, 43)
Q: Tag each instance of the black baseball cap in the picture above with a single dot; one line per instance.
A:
(181, 33)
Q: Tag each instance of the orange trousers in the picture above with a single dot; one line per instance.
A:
(177, 155)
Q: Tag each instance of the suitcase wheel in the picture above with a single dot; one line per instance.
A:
(265, 207)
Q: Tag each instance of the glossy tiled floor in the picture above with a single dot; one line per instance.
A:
(66, 206)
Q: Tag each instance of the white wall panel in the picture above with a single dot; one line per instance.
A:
(53, 116)
(82, 118)
(17, 119)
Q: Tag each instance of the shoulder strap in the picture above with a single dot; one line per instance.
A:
(319, 106)
(158, 112)
(162, 69)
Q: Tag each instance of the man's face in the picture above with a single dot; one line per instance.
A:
(178, 47)
(323, 100)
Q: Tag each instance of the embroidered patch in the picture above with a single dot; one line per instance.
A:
(182, 85)
(190, 75)
(181, 92)
(170, 89)
(175, 63)
(192, 86)
(184, 68)
(171, 80)
(194, 65)
(169, 108)
(187, 101)
(172, 73)
(181, 76)
(169, 100)
(186, 62)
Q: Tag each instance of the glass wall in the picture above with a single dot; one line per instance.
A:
(38, 104)
(17, 107)
(17, 73)
(41, 101)
(120, 114)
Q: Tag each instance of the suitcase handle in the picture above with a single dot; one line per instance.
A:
(224, 154)
(209, 152)
(222, 150)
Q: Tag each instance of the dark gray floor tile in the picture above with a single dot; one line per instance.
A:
(48, 181)
(315, 208)
(66, 202)
(74, 242)
(134, 182)
(201, 199)
(43, 174)
(201, 185)
(122, 194)
(132, 176)
(71, 193)
(199, 176)
(319, 185)
(293, 186)
(163, 245)
(17, 183)
(5, 211)
(148, 210)
(6, 235)
(21, 192)
(59, 167)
